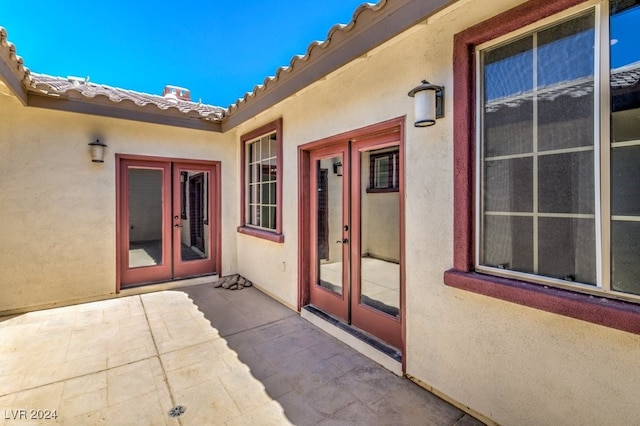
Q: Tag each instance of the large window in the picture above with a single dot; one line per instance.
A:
(542, 187)
(262, 182)
(555, 155)
(537, 133)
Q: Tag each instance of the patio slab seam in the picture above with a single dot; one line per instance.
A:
(236, 357)
(157, 354)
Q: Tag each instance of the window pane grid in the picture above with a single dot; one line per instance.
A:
(626, 218)
(527, 154)
(262, 182)
(602, 157)
(542, 153)
(620, 159)
(625, 144)
(556, 215)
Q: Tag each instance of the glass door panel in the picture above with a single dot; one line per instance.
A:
(375, 205)
(380, 231)
(330, 225)
(192, 245)
(145, 218)
(194, 215)
(329, 231)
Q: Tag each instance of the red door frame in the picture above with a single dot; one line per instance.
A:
(157, 272)
(214, 212)
(393, 129)
(192, 268)
(365, 317)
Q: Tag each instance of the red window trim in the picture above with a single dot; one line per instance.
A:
(612, 313)
(275, 236)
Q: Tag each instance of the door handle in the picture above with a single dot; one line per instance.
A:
(345, 241)
(177, 225)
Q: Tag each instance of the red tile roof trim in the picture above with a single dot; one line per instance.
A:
(338, 31)
(22, 81)
(48, 85)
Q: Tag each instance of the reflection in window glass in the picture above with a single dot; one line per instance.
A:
(380, 233)
(383, 170)
(538, 208)
(625, 147)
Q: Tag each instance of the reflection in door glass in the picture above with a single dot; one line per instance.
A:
(380, 239)
(145, 217)
(194, 221)
(329, 235)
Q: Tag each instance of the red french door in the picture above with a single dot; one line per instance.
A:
(355, 233)
(330, 231)
(166, 227)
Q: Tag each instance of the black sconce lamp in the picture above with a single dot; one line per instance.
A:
(97, 151)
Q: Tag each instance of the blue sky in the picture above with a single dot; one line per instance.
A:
(218, 50)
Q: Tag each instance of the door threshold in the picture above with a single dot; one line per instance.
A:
(377, 351)
(167, 285)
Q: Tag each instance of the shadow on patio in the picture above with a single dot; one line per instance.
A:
(248, 360)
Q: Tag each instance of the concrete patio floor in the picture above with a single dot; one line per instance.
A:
(226, 357)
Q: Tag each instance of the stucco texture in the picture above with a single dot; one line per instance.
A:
(59, 208)
(512, 364)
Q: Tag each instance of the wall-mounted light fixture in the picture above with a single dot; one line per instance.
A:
(337, 168)
(429, 103)
(97, 151)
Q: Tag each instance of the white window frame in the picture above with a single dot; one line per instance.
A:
(270, 234)
(261, 162)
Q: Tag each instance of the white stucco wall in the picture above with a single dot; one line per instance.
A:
(513, 364)
(58, 208)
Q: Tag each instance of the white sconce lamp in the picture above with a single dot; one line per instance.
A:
(429, 103)
(337, 168)
(97, 151)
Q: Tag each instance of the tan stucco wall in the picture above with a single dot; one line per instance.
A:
(513, 364)
(58, 208)
(272, 266)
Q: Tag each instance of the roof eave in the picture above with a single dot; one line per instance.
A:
(369, 29)
(123, 110)
(12, 72)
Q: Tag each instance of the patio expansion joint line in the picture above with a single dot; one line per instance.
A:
(65, 379)
(458, 419)
(253, 328)
(155, 345)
